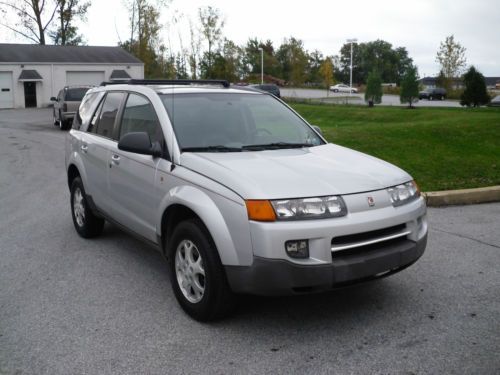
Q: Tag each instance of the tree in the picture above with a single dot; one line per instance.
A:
(326, 72)
(442, 81)
(67, 12)
(451, 57)
(145, 42)
(391, 63)
(293, 59)
(315, 60)
(33, 17)
(475, 93)
(194, 51)
(211, 28)
(373, 94)
(345, 64)
(409, 87)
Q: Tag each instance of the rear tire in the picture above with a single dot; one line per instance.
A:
(86, 223)
(197, 275)
(56, 123)
(63, 124)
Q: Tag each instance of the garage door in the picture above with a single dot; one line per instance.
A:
(84, 78)
(6, 92)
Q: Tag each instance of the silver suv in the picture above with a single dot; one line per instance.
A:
(238, 192)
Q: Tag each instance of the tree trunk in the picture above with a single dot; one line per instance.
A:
(38, 16)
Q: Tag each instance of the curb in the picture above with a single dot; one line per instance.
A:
(462, 197)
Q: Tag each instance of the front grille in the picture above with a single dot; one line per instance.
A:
(374, 240)
(368, 249)
(367, 236)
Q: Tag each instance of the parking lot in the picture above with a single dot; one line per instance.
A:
(105, 306)
(390, 100)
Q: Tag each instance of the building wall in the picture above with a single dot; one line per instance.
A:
(54, 78)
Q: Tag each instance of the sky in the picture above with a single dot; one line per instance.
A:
(418, 25)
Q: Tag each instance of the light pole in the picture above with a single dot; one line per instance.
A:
(354, 40)
(261, 65)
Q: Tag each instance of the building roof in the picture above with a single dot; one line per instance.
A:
(34, 53)
(490, 81)
(118, 74)
(30, 75)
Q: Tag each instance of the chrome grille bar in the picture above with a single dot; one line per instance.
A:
(370, 242)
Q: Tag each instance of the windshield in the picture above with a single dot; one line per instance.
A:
(76, 95)
(218, 122)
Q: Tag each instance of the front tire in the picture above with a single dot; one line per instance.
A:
(86, 223)
(197, 276)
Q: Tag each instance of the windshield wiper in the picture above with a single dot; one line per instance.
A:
(276, 146)
(218, 148)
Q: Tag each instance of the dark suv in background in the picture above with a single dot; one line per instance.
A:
(66, 104)
(431, 94)
(270, 88)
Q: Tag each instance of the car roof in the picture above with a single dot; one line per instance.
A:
(78, 87)
(180, 89)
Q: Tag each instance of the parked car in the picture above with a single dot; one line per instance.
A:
(238, 192)
(343, 88)
(431, 94)
(270, 88)
(66, 104)
(495, 102)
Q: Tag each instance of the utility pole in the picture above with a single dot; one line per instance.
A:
(354, 40)
(261, 65)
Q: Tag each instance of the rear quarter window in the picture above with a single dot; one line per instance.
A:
(86, 109)
(76, 94)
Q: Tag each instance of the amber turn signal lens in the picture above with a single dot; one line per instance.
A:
(260, 210)
(417, 187)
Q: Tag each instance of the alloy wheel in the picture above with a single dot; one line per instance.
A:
(189, 271)
(78, 207)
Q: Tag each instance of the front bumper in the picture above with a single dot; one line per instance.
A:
(281, 277)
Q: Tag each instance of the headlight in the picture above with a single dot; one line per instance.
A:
(403, 193)
(309, 208)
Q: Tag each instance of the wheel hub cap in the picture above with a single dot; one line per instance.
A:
(189, 271)
(78, 207)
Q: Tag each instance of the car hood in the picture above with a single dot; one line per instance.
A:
(292, 173)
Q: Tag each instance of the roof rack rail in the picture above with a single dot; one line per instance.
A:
(183, 82)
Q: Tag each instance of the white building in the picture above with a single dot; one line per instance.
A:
(31, 74)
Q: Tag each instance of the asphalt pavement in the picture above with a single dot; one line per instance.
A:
(105, 306)
(343, 98)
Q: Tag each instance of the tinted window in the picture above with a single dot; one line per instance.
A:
(76, 94)
(140, 116)
(108, 114)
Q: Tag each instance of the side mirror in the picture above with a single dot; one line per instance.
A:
(139, 143)
(53, 99)
(317, 128)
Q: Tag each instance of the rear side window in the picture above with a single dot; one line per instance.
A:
(76, 94)
(139, 116)
(109, 111)
(85, 112)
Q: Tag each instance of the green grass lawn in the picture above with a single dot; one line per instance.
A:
(442, 148)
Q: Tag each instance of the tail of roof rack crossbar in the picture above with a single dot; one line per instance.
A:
(183, 82)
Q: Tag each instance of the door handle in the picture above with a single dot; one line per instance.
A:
(84, 147)
(115, 159)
